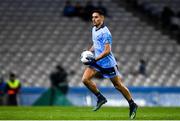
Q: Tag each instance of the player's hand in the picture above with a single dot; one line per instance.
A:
(91, 61)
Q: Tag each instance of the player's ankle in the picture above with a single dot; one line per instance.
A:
(131, 102)
(99, 95)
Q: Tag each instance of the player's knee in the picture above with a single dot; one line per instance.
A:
(85, 80)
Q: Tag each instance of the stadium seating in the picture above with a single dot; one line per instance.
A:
(35, 37)
(159, 4)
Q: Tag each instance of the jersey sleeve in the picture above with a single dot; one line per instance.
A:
(107, 39)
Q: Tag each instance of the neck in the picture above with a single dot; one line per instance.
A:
(99, 25)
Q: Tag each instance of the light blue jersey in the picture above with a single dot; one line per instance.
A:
(101, 37)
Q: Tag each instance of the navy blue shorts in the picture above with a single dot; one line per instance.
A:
(108, 72)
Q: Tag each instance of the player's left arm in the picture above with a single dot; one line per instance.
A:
(107, 50)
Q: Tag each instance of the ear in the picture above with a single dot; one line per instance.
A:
(102, 17)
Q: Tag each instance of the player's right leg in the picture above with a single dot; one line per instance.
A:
(89, 73)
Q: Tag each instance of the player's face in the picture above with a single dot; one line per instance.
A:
(97, 19)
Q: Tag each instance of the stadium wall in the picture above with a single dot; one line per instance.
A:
(80, 96)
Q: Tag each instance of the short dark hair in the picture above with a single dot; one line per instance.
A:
(98, 11)
(59, 67)
(13, 75)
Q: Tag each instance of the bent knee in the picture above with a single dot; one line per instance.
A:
(85, 80)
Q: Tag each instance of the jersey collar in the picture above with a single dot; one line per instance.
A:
(102, 26)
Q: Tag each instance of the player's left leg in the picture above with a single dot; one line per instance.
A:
(117, 82)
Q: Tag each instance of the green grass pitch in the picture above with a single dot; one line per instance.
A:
(86, 113)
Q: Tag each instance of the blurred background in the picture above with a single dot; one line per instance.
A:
(41, 37)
